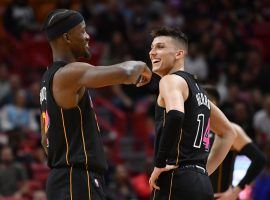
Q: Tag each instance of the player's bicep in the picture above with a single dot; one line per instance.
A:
(171, 93)
(220, 125)
(69, 77)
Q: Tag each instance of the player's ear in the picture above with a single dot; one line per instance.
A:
(66, 37)
(180, 53)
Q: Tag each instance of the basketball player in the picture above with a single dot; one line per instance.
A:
(222, 178)
(70, 133)
(183, 115)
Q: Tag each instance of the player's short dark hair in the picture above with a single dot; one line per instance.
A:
(171, 32)
(212, 92)
(59, 21)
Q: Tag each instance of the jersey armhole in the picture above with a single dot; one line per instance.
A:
(50, 84)
(181, 74)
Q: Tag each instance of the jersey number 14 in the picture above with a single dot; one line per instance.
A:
(202, 135)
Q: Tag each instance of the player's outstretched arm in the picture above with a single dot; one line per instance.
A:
(225, 136)
(78, 74)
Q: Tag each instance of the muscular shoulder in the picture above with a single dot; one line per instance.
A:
(68, 76)
(73, 69)
(172, 82)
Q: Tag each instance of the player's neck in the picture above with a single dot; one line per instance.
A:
(178, 67)
(61, 52)
(63, 56)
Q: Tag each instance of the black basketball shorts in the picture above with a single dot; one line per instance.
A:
(74, 184)
(186, 183)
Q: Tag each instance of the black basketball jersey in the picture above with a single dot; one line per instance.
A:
(221, 178)
(192, 145)
(73, 134)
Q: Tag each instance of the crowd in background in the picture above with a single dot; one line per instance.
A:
(229, 47)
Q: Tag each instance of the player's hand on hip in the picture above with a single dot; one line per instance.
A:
(145, 76)
(155, 174)
(230, 194)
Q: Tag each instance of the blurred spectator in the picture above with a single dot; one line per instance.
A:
(108, 19)
(261, 189)
(33, 96)
(121, 188)
(172, 16)
(39, 156)
(195, 63)
(232, 96)
(63, 4)
(19, 17)
(4, 83)
(251, 74)
(117, 50)
(254, 61)
(33, 101)
(155, 15)
(39, 195)
(257, 99)
(217, 58)
(137, 18)
(38, 167)
(87, 10)
(243, 117)
(15, 84)
(15, 116)
(263, 79)
(140, 182)
(12, 175)
(232, 72)
(261, 122)
(123, 100)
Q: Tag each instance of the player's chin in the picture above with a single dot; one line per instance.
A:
(156, 69)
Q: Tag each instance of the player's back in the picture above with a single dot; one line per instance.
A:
(73, 134)
(192, 146)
